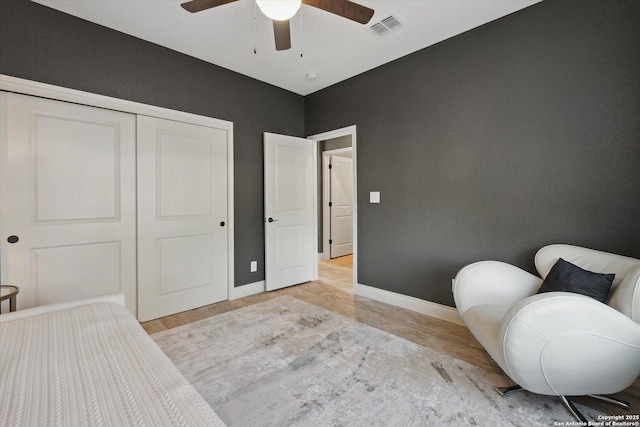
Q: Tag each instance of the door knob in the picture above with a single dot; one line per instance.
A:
(221, 223)
(272, 220)
(13, 239)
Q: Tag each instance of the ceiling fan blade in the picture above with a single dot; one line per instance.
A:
(345, 8)
(282, 33)
(200, 5)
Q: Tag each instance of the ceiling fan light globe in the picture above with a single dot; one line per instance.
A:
(279, 10)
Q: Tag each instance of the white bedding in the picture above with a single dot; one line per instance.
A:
(91, 365)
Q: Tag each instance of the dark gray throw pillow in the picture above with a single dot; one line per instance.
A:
(566, 277)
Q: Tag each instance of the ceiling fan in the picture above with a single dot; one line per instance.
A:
(280, 11)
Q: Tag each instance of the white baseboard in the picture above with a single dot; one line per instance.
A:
(322, 256)
(247, 290)
(410, 303)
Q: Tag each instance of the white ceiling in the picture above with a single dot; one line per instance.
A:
(333, 47)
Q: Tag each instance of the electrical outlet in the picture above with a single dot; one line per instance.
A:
(254, 266)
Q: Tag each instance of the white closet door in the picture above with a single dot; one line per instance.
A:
(67, 194)
(182, 216)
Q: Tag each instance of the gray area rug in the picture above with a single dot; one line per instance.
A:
(284, 362)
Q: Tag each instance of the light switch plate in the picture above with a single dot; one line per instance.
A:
(374, 197)
(254, 266)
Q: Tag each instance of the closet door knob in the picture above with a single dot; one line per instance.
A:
(13, 239)
(222, 224)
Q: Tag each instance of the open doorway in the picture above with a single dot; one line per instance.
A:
(337, 200)
(337, 217)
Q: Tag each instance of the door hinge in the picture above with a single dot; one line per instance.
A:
(330, 242)
(330, 166)
(330, 204)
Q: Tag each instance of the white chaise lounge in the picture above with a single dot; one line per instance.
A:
(90, 363)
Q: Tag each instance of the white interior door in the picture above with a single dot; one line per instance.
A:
(67, 194)
(341, 241)
(290, 232)
(182, 216)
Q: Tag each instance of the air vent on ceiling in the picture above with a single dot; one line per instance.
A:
(385, 26)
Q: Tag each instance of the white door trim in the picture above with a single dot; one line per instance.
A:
(349, 130)
(43, 90)
(326, 191)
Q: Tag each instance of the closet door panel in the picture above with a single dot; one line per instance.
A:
(67, 191)
(182, 216)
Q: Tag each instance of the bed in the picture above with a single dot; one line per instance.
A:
(90, 363)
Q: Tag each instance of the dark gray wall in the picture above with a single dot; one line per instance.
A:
(41, 44)
(337, 143)
(489, 145)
